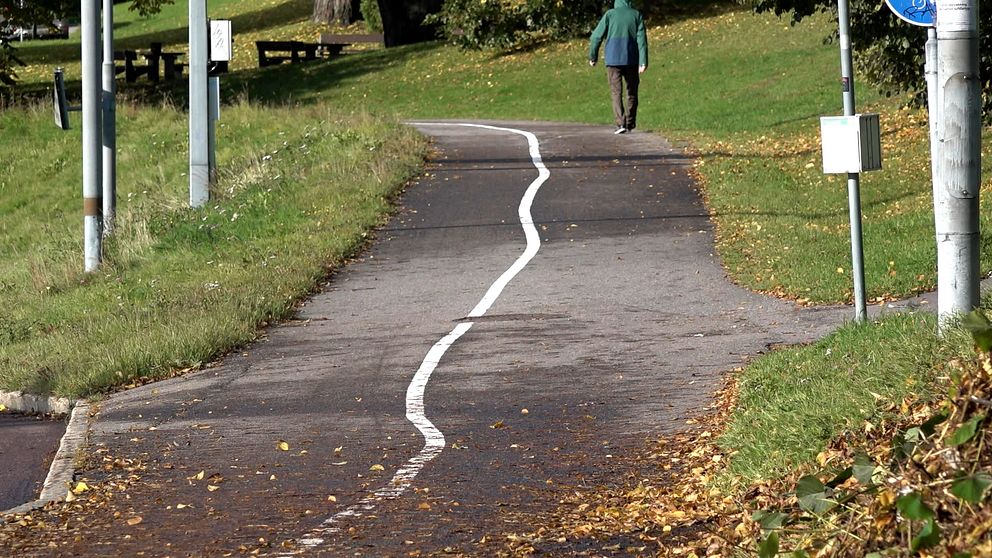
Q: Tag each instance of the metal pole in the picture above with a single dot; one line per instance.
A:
(959, 159)
(214, 115)
(853, 179)
(199, 156)
(92, 202)
(933, 113)
(109, 121)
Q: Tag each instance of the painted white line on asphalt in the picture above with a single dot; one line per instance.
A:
(523, 211)
(433, 445)
(415, 413)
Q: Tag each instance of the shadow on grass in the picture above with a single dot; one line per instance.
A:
(665, 12)
(55, 52)
(304, 82)
(279, 85)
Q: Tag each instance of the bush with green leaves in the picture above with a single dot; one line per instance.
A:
(919, 483)
(8, 61)
(14, 13)
(509, 24)
(371, 15)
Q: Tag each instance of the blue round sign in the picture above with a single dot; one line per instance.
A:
(917, 12)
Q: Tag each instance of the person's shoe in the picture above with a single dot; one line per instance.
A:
(620, 130)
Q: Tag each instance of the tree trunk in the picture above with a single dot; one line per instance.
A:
(403, 21)
(333, 11)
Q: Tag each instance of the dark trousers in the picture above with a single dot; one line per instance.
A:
(617, 76)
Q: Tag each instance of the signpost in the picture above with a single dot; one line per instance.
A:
(92, 99)
(954, 104)
(221, 48)
(853, 178)
(199, 153)
(109, 135)
(959, 160)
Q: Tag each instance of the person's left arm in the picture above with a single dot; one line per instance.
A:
(642, 45)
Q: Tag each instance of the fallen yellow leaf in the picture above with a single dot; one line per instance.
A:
(424, 506)
(332, 498)
(80, 487)
(283, 446)
(377, 467)
(212, 488)
(135, 520)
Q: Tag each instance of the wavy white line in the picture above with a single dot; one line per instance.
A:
(433, 438)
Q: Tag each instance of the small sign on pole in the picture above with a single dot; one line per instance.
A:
(851, 144)
(60, 107)
(220, 40)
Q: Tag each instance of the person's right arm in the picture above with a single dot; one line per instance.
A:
(597, 39)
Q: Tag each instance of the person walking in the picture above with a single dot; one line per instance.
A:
(625, 56)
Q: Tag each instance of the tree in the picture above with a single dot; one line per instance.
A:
(18, 13)
(370, 13)
(403, 21)
(888, 51)
(336, 11)
(14, 14)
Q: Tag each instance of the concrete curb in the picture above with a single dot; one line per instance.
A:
(27, 403)
(63, 469)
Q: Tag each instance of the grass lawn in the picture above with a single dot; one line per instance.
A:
(299, 190)
(743, 92)
(749, 108)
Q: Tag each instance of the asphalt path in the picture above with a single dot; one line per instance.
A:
(27, 446)
(617, 329)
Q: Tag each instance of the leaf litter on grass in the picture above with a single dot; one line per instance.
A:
(916, 482)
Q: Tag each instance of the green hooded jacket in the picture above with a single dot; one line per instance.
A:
(626, 38)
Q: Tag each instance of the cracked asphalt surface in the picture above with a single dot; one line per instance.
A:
(618, 330)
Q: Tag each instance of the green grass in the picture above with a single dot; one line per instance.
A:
(299, 190)
(749, 108)
(794, 401)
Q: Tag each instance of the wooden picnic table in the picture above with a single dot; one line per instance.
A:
(173, 69)
(293, 51)
(329, 44)
(332, 44)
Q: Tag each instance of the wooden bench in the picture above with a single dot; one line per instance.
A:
(331, 44)
(173, 69)
(294, 51)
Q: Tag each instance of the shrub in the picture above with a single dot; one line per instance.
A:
(508, 24)
(371, 15)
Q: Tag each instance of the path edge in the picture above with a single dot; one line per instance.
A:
(63, 468)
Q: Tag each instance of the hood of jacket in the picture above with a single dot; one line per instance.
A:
(621, 4)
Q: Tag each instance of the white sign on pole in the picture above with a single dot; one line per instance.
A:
(220, 40)
(957, 15)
